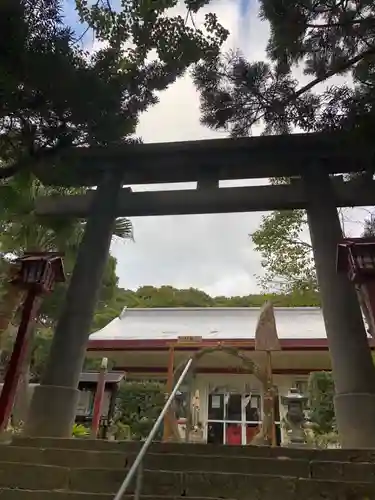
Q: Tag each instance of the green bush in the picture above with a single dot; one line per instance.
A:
(138, 405)
(80, 431)
(321, 406)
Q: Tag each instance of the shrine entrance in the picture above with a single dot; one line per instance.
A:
(235, 418)
(312, 162)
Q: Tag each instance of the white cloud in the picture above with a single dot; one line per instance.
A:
(212, 252)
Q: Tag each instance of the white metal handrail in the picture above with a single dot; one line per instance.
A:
(137, 464)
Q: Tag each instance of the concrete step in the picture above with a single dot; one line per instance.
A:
(155, 461)
(199, 449)
(85, 459)
(189, 484)
(67, 458)
(8, 494)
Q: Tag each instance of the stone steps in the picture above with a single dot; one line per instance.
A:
(181, 484)
(84, 459)
(80, 469)
(8, 494)
(367, 456)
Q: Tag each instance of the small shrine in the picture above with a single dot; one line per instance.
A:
(87, 386)
(246, 360)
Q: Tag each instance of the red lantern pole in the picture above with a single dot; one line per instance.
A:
(37, 274)
(98, 401)
(8, 394)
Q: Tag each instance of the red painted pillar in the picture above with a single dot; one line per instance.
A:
(167, 431)
(12, 376)
(98, 401)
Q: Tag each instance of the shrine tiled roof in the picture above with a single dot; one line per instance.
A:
(210, 323)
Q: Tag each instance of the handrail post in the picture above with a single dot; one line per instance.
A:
(139, 482)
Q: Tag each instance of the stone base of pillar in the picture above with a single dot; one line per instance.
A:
(359, 408)
(52, 412)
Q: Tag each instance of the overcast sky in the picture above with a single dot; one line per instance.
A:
(210, 252)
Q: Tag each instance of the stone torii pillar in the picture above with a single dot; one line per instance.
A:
(53, 406)
(352, 365)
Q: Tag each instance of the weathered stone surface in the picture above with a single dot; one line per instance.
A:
(196, 472)
(201, 449)
(266, 338)
(65, 457)
(343, 471)
(68, 495)
(242, 465)
(49, 495)
(33, 477)
(239, 486)
(308, 489)
(109, 481)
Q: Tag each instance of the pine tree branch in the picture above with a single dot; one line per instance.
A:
(340, 25)
(338, 69)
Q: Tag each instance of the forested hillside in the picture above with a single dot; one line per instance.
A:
(168, 296)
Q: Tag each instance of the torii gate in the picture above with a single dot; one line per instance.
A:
(309, 157)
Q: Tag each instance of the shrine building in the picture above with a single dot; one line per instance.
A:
(148, 343)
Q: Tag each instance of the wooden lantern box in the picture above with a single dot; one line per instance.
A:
(356, 257)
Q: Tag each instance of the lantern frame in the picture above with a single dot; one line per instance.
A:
(356, 257)
(39, 271)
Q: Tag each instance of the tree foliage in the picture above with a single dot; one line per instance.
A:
(321, 406)
(168, 296)
(138, 405)
(318, 38)
(286, 257)
(43, 116)
(23, 231)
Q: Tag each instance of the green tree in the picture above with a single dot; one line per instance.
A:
(41, 118)
(286, 255)
(286, 251)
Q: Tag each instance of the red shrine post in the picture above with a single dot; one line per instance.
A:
(38, 272)
(99, 396)
(356, 257)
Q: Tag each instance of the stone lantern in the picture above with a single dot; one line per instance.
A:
(295, 420)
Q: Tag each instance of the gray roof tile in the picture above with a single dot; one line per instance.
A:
(210, 323)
